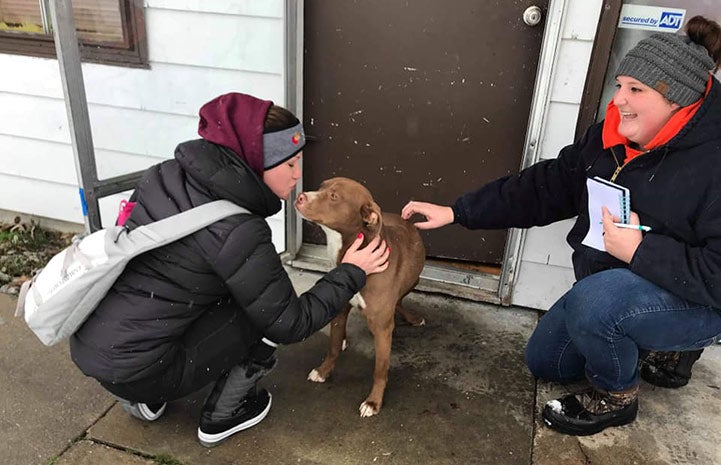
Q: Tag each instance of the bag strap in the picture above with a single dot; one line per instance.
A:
(174, 227)
(22, 295)
(150, 236)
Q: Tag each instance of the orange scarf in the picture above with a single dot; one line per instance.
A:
(611, 137)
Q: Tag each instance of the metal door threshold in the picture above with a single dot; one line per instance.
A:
(456, 282)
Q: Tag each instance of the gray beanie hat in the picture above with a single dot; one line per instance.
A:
(670, 64)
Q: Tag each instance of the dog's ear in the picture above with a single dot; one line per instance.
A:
(371, 214)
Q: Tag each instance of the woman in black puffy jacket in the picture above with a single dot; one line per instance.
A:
(211, 307)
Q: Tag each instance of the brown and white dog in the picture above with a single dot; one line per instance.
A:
(343, 208)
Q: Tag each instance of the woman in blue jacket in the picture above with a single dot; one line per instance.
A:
(649, 291)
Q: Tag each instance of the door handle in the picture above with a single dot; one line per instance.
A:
(532, 16)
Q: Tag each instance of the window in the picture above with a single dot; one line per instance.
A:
(109, 31)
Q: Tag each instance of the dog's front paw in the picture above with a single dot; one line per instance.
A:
(315, 376)
(368, 409)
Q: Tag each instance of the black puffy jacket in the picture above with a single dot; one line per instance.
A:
(675, 189)
(160, 294)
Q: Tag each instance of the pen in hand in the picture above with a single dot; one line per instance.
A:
(632, 226)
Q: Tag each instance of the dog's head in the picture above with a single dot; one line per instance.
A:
(343, 205)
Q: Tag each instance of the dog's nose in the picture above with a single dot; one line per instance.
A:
(301, 199)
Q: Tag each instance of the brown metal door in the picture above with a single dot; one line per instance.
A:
(419, 99)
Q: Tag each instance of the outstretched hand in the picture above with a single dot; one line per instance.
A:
(436, 215)
(373, 258)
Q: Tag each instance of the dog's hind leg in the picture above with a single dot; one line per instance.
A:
(410, 316)
(337, 344)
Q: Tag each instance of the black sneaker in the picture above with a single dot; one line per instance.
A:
(251, 411)
(145, 412)
(668, 369)
(591, 411)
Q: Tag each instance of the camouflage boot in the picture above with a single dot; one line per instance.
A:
(668, 369)
(591, 411)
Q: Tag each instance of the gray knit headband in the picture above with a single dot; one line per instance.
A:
(671, 64)
(279, 146)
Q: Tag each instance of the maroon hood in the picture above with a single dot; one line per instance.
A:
(235, 121)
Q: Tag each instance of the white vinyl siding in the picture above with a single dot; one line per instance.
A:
(197, 50)
(546, 272)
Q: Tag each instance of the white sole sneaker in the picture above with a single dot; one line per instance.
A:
(142, 411)
(210, 440)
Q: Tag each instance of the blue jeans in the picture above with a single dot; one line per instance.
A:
(598, 328)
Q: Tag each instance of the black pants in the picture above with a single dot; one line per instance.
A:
(214, 343)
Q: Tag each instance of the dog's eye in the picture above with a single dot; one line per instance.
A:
(334, 196)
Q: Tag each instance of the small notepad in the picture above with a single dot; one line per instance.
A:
(611, 195)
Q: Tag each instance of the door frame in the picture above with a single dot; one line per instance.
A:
(293, 54)
(534, 133)
(600, 57)
(436, 279)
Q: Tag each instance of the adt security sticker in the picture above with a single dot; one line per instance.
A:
(651, 18)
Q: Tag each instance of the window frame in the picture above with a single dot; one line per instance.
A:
(134, 54)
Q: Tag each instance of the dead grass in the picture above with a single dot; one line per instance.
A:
(25, 248)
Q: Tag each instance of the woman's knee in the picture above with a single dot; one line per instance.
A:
(543, 357)
(597, 301)
(541, 367)
(536, 360)
(548, 365)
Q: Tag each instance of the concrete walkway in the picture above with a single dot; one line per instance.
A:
(458, 393)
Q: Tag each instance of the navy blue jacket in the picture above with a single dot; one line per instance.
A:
(137, 328)
(675, 189)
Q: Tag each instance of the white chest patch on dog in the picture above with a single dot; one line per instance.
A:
(334, 242)
(358, 301)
